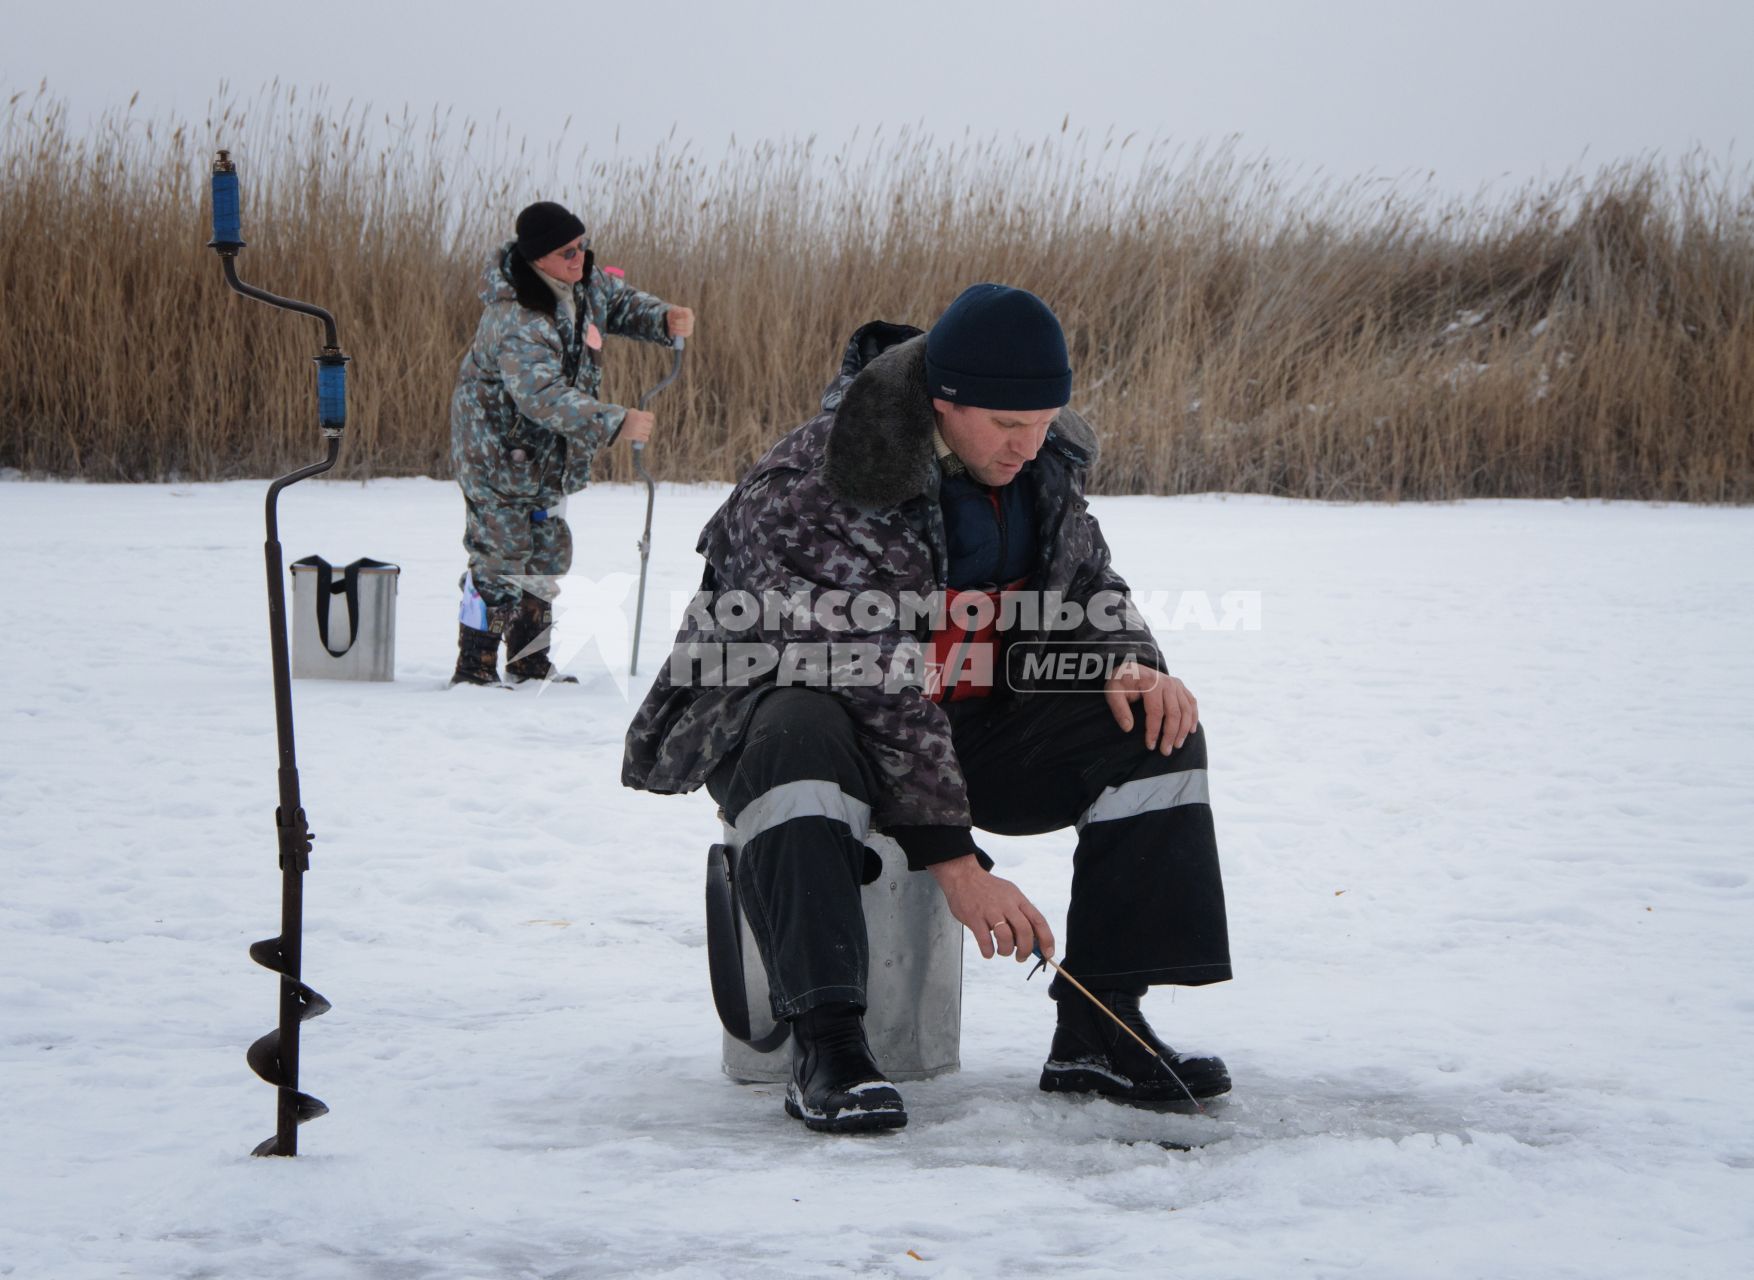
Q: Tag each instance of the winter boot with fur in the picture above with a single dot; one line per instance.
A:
(526, 643)
(836, 1086)
(478, 651)
(1090, 1054)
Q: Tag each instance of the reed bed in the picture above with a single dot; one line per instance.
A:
(1234, 327)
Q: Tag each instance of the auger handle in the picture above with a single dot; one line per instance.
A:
(228, 241)
(228, 222)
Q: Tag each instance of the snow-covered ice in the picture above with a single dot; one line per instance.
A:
(1483, 790)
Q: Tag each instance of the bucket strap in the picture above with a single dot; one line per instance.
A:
(348, 586)
(724, 951)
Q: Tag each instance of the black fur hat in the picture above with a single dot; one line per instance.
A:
(544, 227)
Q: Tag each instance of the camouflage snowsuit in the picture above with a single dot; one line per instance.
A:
(850, 501)
(526, 420)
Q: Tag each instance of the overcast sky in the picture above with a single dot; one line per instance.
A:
(1487, 91)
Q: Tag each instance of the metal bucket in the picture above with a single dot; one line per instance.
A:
(344, 620)
(913, 988)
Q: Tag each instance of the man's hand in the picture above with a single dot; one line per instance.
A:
(680, 322)
(995, 910)
(636, 427)
(1171, 713)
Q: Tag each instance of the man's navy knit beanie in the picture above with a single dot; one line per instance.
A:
(999, 348)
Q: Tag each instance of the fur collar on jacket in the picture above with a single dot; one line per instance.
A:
(527, 283)
(880, 445)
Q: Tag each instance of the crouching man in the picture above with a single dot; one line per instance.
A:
(943, 465)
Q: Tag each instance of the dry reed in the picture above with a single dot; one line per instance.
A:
(1231, 331)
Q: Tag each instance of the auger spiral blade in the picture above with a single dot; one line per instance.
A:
(268, 1061)
(270, 954)
(304, 1108)
(264, 1055)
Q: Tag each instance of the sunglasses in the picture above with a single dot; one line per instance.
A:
(574, 250)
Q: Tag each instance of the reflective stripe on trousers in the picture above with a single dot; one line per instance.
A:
(1147, 795)
(806, 798)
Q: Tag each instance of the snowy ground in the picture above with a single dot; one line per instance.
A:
(1483, 786)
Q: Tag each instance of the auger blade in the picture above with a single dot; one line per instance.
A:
(269, 954)
(264, 1058)
(311, 1004)
(304, 1109)
(264, 1055)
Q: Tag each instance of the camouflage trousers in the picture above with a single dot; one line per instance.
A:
(506, 543)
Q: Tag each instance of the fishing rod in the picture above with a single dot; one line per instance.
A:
(274, 1056)
(1115, 1018)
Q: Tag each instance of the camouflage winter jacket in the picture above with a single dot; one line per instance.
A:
(848, 502)
(525, 418)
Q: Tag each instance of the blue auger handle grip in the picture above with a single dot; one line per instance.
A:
(228, 223)
(331, 394)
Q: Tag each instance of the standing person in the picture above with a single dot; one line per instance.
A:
(946, 463)
(526, 421)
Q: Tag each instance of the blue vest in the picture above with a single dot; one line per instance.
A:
(990, 532)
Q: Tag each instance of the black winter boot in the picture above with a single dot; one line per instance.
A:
(1091, 1054)
(526, 643)
(836, 1086)
(478, 651)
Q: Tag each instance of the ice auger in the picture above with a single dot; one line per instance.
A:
(645, 538)
(275, 1056)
